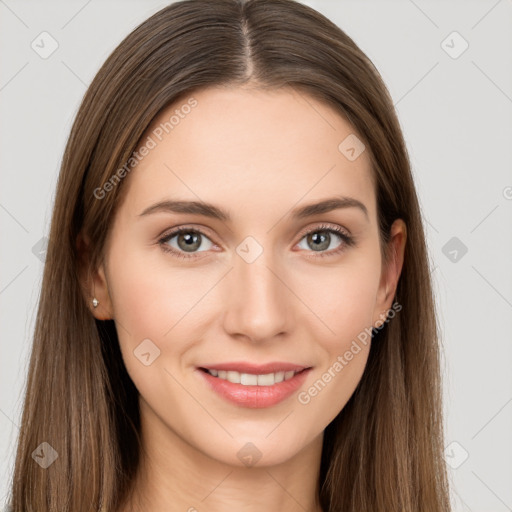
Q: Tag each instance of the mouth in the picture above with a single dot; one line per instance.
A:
(252, 386)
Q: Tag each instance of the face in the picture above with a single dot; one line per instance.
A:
(256, 278)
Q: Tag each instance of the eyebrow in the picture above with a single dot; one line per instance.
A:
(214, 212)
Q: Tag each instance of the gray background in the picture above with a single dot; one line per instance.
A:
(456, 117)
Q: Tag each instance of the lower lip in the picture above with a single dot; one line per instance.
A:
(255, 397)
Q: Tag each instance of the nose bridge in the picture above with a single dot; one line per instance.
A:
(257, 304)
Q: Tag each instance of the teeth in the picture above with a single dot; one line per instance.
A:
(266, 380)
(278, 377)
(249, 379)
(233, 377)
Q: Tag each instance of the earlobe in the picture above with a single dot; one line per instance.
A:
(100, 295)
(94, 282)
(391, 272)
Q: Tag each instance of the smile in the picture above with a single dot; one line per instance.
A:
(253, 390)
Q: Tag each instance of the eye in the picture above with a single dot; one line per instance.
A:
(321, 240)
(185, 240)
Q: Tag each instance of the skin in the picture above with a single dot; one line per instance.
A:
(258, 155)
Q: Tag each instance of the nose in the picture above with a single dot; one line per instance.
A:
(258, 303)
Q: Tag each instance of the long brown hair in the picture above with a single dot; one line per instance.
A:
(384, 450)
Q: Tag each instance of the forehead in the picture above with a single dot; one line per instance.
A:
(249, 149)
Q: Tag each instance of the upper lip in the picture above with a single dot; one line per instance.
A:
(256, 369)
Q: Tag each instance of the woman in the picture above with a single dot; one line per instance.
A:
(236, 306)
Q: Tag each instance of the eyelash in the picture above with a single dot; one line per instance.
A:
(348, 241)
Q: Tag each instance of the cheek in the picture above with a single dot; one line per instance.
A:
(151, 299)
(343, 297)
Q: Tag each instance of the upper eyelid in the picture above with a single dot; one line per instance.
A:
(340, 230)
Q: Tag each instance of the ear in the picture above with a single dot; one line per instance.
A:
(93, 281)
(390, 272)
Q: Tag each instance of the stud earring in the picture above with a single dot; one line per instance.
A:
(95, 302)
